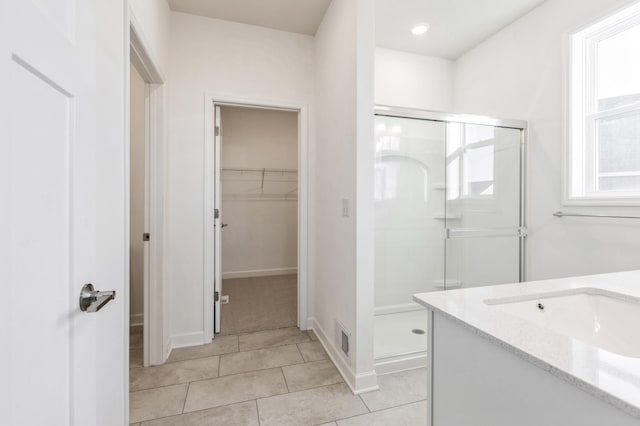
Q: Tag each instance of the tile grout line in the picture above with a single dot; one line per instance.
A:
(179, 383)
(245, 333)
(271, 396)
(364, 402)
(196, 411)
(238, 374)
(188, 359)
(219, 377)
(272, 346)
(316, 387)
(168, 361)
(257, 410)
(300, 352)
(164, 386)
(267, 368)
(285, 380)
(223, 405)
(397, 406)
(184, 404)
(245, 350)
(381, 410)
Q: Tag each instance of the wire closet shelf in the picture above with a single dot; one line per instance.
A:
(275, 184)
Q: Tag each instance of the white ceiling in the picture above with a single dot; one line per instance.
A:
(455, 25)
(298, 16)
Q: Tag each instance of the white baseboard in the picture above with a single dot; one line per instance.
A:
(393, 309)
(310, 323)
(361, 383)
(366, 382)
(394, 364)
(136, 319)
(187, 339)
(260, 273)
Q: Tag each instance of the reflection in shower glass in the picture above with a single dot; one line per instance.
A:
(470, 154)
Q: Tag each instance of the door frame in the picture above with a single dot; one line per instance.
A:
(211, 100)
(155, 345)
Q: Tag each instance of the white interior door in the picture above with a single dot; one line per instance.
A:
(218, 224)
(49, 248)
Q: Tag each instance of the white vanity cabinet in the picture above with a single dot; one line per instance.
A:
(491, 366)
(474, 381)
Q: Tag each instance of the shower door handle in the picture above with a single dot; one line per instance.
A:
(455, 233)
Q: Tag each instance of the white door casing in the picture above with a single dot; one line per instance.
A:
(212, 103)
(217, 196)
(53, 369)
(156, 345)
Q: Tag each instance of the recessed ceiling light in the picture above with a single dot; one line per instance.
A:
(420, 29)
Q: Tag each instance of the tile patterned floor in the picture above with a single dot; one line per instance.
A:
(274, 377)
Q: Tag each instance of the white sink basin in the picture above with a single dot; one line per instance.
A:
(608, 320)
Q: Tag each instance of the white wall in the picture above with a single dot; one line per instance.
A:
(343, 157)
(225, 59)
(413, 81)
(136, 196)
(366, 378)
(262, 236)
(153, 18)
(518, 73)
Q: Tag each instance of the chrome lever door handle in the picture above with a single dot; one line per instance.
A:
(92, 300)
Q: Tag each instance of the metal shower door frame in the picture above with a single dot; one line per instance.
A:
(443, 117)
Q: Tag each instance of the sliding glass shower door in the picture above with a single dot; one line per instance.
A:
(484, 223)
(448, 215)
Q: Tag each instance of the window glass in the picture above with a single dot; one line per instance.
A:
(618, 70)
(619, 153)
(604, 119)
(619, 144)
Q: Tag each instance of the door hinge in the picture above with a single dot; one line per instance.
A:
(146, 237)
(216, 296)
(217, 130)
(216, 213)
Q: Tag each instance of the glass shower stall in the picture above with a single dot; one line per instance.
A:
(449, 214)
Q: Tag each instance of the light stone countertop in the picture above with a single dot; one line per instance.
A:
(606, 375)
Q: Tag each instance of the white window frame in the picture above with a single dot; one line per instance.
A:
(582, 115)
